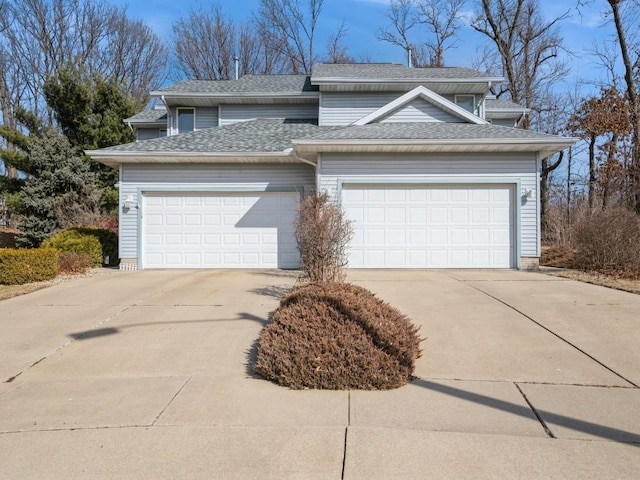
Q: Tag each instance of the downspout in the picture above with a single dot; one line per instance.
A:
(308, 162)
(169, 117)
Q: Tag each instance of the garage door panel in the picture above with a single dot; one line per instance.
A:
(244, 230)
(418, 226)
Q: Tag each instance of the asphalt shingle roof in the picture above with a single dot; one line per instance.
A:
(262, 84)
(148, 116)
(263, 135)
(276, 135)
(430, 131)
(496, 104)
(391, 71)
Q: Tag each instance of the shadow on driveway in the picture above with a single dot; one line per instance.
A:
(102, 332)
(543, 416)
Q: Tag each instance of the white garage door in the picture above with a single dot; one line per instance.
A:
(407, 226)
(219, 230)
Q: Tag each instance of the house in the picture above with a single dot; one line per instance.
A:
(425, 163)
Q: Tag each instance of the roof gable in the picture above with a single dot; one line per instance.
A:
(426, 95)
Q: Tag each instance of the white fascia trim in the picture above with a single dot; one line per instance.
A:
(545, 148)
(427, 95)
(507, 110)
(560, 141)
(213, 95)
(118, 158)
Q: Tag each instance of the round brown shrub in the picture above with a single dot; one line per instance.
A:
(337, 336)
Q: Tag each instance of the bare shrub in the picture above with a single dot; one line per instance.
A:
(607, 241)
(337, 336)
(560, 256)
(322, 235)
(72, 263)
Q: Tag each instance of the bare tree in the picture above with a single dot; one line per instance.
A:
(336, 50)
(443, 20)
(425, 28)
(403, 20)
(42, 36)
(135, 57)
(528, 47)
(631, 62)
(290, 27)
(206, 42)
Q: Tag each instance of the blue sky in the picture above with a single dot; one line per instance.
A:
(362, 17)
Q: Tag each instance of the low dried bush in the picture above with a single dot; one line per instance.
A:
(96, 243)
(73, 263)
(21, 265)
(322, 235)
(337, 336)
(607, 241)
(561, 256)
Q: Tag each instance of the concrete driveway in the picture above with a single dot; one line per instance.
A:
(145, 375)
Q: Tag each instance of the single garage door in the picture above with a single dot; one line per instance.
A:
(219, 230)
(418, 226)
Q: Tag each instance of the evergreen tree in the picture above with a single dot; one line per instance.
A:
(89, 112)
(59, 193)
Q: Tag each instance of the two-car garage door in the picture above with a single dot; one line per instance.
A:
(435, 226)
(395, 226)
(219, 230)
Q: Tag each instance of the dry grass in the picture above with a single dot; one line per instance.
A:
(624, 284)
(10, 291)
(563, 257)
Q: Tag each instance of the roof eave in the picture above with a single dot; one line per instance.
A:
(141, 124)
(365, 80)
(115, 158)
(170, 94)
(545, 147)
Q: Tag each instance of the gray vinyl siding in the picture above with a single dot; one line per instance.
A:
(199, 177)
(419, 111)
(206, 117)
(343, 108)
(147, 133)
(485, 168)
(242, 113)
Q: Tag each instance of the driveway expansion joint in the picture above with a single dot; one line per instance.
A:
(171, 401)
(69, 342)
(344, 452)
(535, 412)
(559, 337)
